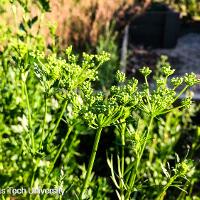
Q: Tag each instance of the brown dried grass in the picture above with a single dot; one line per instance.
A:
(82, 22)
(79, 22)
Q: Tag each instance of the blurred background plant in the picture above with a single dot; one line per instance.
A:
(188, 8)
(108, 42)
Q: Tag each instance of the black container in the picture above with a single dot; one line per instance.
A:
(158, 27)
(189, 26)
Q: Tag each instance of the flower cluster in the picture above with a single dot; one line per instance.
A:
(161, 99)
(167, 71)
(127, 94)
(103, 110)
(67, 74)
(190, 79)
(187, 102)
(99, 111)
(145, 71)
(176, 81)
(120, 77)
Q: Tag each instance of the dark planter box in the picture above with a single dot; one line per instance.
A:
(158, 27)
(189, 26)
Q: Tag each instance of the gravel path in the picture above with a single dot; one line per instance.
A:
(185, 57)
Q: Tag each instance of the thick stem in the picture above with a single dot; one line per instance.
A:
(138, 159)
(91, 162)
(58, 122)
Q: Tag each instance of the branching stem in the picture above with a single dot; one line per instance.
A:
(91, 162)
(138, 159)
(58, 122)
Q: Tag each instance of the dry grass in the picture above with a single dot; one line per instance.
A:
(79, 22)
(82, 22)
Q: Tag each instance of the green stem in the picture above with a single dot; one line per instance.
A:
(33, 177)
(91, 162)
(44, 120)
(68, 156)
(58, 153)
(123, 128)
(183, 193)
(35, 169)
(57, 123)
(148, 95)
(170, 110)
(181, 92)
(163, 192)
(138, 159)
(42, 137)
(151, 151)
(29, 117)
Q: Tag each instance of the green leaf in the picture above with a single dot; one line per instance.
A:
(32, 21)
(45, 5)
